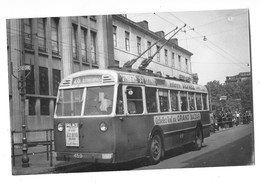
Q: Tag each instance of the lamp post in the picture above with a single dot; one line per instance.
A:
(22, 91)
(25, 158)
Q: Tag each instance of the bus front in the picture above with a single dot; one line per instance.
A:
(83, 120)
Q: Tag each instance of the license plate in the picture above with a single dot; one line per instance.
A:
(72, 134)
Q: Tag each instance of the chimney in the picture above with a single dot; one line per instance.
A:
(143, 24)
(160, 33)
(174, 41)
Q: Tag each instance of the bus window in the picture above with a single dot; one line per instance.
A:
(164, 101)
(119, 104)
(99, 100)
(198, 101)
(184, 102)
(191, 101)
(70, 102)
(151, 104)
(174, 100)
(204, 98)
(134, 100)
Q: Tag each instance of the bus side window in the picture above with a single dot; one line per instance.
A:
(184, 102)
(164, 101)
(119, 103)
(174, 100)
(151, 104)
(204, 98)
(134, 100)
(198, 101)
(191, 101)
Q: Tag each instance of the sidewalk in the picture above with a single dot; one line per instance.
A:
(38, 164)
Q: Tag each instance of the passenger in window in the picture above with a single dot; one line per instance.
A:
(119, 107)
(151, 106)
(119, 104)
(131, 107)
(183, 104)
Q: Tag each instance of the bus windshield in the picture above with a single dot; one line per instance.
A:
(98, 101)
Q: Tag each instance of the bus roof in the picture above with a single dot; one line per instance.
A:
(102, 76)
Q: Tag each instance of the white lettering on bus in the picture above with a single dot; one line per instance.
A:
(176, 118)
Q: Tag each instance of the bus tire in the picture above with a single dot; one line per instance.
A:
(155, 149)
(198, 139)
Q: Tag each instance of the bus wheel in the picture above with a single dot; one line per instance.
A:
(155, 149)
(198, 139)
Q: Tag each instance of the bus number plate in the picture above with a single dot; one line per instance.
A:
(72, 134)
(78, 155)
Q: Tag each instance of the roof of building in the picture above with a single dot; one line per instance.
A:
(141, 27)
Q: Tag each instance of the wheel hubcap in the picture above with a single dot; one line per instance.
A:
(156, 149)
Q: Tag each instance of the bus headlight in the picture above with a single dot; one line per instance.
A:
(103, 127)
(60, 127)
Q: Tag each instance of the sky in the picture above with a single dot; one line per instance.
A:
(226, 50)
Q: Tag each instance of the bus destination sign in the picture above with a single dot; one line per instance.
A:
(87, 79)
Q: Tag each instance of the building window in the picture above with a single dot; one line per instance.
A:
(127, 43)
(74, 42)
(186, 65)
(179, 60)
(115, 35)
(138, 45)
(43, 81)
(148, 46)
(158, 54)
(41, 23)
(30, 87)
(45, 106)
(166, 56)
(151, 102)
(28, 33)
(173, 61)
(164, 101)
(56, 80)
(32, 103)
(93, 47)
(55, 36)
(84, 45)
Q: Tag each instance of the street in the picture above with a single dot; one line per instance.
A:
(227, 147)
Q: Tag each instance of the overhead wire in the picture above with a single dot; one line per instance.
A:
(235, 60)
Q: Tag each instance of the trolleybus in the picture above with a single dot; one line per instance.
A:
(110, 116)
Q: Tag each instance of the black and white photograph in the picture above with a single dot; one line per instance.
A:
(120, 93)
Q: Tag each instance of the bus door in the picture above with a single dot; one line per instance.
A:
(133, 123)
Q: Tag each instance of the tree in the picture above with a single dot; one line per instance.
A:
(239, 96)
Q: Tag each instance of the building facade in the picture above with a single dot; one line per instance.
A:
(55, 47)
(131, 39)
(238, 78)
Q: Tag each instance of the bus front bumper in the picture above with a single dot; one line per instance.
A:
(86, 157)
